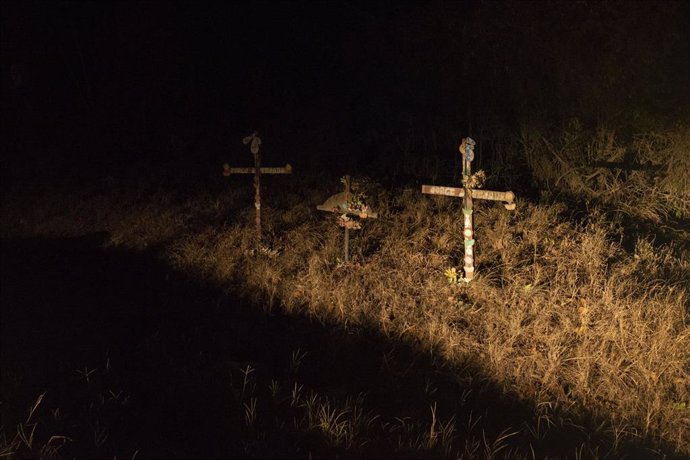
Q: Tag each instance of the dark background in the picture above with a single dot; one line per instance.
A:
(116, 92)
(94, 89)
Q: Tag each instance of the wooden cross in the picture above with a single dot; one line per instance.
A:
(343, 204)
(254, 142)
(468, 192)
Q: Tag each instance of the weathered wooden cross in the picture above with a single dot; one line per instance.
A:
(468, 192)
(254, 142)
(346, 204)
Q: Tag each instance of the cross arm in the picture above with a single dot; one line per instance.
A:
(507, 197)
(339, 210)
(338, 204)
(287, 169)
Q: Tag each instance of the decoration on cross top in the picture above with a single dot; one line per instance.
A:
(471, 184)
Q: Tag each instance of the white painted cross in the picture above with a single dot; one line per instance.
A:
(468, 192)
(254, 142)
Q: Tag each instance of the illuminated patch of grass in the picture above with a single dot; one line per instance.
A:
(561, 313)
(647, 178)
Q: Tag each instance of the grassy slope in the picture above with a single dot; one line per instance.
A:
(560, 315)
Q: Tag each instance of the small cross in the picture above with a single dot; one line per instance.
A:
(254, 142)
(468, 192)
(343, 204)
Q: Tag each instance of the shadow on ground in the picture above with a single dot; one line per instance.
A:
(136, 358)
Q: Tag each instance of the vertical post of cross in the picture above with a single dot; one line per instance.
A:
(467, 152)
(346, 241)
(255, 142)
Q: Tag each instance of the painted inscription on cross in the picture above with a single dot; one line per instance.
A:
(254, 142)
(470, 191)
(346, 204)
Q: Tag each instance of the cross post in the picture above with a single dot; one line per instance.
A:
(344, 205)
(254, 142)
(468, 193)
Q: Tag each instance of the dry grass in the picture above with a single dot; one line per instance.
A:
(653, 183)
(560, 313)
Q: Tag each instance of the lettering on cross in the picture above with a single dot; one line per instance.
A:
(254, 142)
(469, 192)
(346, 204)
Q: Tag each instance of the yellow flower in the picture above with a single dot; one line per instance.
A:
(451, 275)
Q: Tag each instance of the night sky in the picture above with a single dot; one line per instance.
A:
(342, 85)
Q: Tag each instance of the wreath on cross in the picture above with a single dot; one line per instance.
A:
(355, 205)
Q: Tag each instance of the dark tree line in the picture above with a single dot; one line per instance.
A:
(91, 83)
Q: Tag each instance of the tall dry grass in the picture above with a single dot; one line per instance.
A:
(561, 314)
(647, 177)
